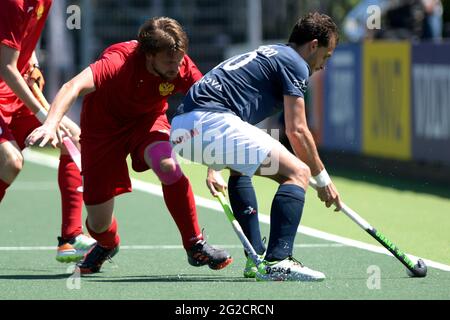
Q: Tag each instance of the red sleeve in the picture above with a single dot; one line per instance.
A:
(11, 24)
(191, 74)
(107, 66)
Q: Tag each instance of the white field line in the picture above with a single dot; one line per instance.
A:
(34, 185)
(170, 247)
(52, 162)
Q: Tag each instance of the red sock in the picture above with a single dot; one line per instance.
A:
(108, 239)
(69, 180)
(180, 201)
(3, 187)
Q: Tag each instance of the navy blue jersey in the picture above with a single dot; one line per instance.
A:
(251, 85)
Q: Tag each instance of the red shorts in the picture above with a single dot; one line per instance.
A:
(17, 125)
(104, 154)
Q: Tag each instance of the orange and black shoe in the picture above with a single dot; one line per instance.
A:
(94, 259)
(202, 253)
(74, 249)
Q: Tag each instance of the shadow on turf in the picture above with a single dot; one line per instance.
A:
(34, 276)
(172, 278)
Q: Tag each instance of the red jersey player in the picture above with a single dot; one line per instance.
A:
(21, 23)
(123, 114)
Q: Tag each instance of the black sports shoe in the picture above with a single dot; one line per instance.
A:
(94, 259)
(202, 253)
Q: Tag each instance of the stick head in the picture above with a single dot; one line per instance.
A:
(420, 270)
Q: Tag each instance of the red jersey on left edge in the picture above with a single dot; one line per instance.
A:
(21, 25)
(126, 92)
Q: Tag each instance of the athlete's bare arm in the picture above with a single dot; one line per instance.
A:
(80, 85)
(12, 77)
(302, 142)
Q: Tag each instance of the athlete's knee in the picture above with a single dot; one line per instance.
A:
(302, 174)
(168, 165)
(305, 172)
(12, 165)
(163, 162)
(296, 173)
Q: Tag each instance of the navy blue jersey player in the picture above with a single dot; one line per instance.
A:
(251, 85)
(216, 125)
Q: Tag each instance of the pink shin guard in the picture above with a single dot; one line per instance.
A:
(158, 152)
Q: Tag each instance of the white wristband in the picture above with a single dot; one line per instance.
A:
(41, 116)
(323, 179)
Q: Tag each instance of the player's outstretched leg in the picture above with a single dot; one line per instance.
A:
(180, 202)
(102, 226)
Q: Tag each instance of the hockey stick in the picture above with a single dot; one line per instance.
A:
(415, 270)
(68, 143)
(240, 233)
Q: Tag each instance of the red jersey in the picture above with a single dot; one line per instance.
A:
(21, 25)
(126, 92)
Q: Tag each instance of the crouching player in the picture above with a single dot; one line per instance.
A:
(123, 114)
(215, 125)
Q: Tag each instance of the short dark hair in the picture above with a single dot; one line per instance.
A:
(314, 26)
(161, 34)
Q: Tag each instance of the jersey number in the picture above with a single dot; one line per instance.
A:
(231, 64)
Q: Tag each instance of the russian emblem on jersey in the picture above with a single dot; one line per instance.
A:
(166, 88)
(40, 11)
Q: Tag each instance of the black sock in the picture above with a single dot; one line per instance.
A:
(285, 215)
(245, 208)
